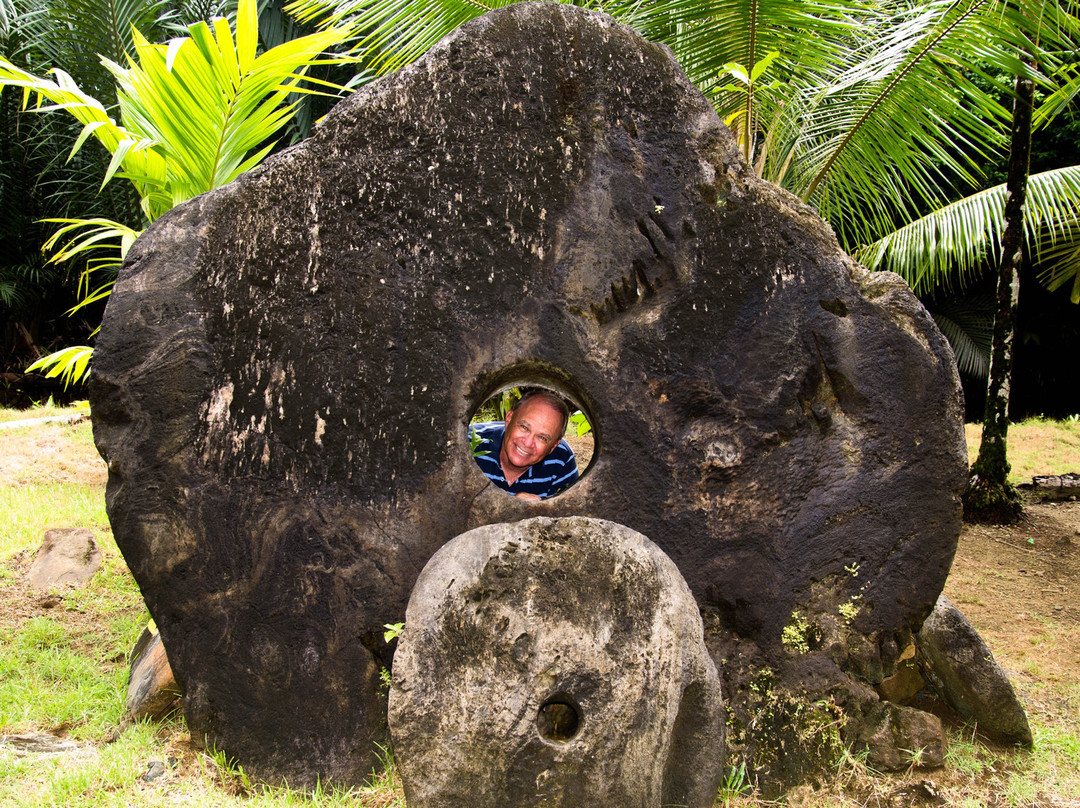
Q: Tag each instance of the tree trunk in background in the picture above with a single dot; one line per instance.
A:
(990, 497)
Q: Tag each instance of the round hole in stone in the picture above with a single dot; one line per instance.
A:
(489, 419)
(558, 720)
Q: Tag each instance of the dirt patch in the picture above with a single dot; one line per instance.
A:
(582, 446)
(1018, 584)
(50, 453)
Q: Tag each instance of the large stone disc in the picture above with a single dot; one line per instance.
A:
(287, 367)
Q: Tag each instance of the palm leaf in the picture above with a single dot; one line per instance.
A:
(75, 34)
(71, 365)
(1062, 266)
(895, 133)
(952, 244)
(968, 325)
(1060, 100)
(209, 101)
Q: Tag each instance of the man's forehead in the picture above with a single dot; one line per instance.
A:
(536, 409)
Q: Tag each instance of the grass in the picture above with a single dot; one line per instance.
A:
(28, 511)
(46, 410)
(1035, 446)
(64, 670)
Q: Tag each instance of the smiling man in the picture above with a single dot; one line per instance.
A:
(526, 455)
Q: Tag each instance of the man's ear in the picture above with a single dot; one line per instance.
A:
(509, 415)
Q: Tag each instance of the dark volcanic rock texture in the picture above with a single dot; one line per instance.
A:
(287, 366)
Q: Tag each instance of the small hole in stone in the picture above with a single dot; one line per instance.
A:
(515, 441)
(558, 721)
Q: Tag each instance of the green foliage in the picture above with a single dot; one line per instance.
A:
(796, 634)
(849, 609)
(498, 406)
(475, 442)
(195, 114)
(28, 510)
(581, 423)
(735, 784)
(954, 244)
(789, 734)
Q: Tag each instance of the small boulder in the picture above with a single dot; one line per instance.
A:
(967, 676)
(37, 743)
(67, 557)
(903, 736)
(152, 689)
(904, 685)
(555, 662)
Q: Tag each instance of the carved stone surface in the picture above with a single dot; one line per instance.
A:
(287, 366)
(969, 678)
(555, 662)
(66, 557)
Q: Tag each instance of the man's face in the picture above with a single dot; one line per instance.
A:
(532, 431)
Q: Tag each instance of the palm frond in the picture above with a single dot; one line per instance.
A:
(706, 35)
(1061, 99)
(71, 365)
(393, 33)
(968, 324)
(1062, 266)
(76, 34)
(949, 246)
(910, 119)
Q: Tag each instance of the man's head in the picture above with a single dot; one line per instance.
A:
(533, 428)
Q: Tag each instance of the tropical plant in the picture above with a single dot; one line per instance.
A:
(954, 244)
(873, 113)
(992, 229)
(195, 113)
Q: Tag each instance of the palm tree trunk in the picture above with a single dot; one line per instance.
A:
(990, 497)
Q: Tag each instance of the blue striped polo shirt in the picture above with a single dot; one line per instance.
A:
(552, 475)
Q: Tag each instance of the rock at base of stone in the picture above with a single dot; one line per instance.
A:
(969, 678)
(67, 557)
(906, 684)
(555, 662)
(902, 737)
(152, 690)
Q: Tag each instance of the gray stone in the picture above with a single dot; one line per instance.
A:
(900, 737)
(154, 770)
(555, 662)
(68, 557)
(38, 743)
(287, 366)
(969, 678)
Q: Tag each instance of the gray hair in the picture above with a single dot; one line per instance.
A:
(554, 399)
